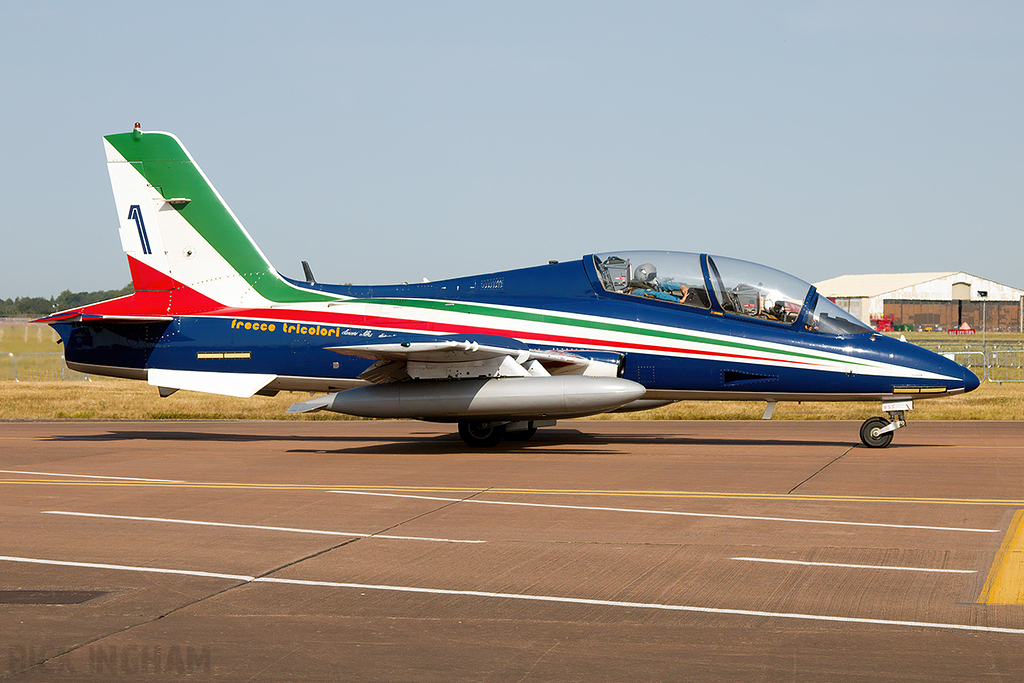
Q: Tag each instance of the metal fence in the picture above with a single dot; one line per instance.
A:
(37, 367)
(992, 362)
(1006, 366)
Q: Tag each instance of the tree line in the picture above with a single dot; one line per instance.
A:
(37, 306)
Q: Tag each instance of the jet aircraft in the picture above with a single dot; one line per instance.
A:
(501, 354)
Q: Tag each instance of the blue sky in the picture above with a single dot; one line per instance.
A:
(387, 142)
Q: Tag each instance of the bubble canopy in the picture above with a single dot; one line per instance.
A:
(740, 288)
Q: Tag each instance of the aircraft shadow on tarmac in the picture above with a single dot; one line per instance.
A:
(566, 441)
(131, 435)
(416, 444)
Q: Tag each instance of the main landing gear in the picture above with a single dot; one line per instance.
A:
(488, 434)
(481, 434)
(876, 432)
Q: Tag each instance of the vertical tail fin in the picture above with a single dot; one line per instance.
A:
(176, 229)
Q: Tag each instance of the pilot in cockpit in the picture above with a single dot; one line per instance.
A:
(618, 275)
(645, 276)
(645, 283)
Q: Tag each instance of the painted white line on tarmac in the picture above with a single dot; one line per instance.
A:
(126, 568)
(670, 512)
(255, 526)
(93, 476)
(856, 566)
(536, 598)
(646, 605)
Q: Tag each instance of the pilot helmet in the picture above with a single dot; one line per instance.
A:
(645, 273)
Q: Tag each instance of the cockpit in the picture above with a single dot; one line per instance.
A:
(666, 276)
(734, 287)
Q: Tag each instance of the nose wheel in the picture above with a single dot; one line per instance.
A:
(871, 434)
(876, 432)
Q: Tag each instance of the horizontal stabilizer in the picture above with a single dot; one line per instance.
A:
(86, 318)
(239, 384)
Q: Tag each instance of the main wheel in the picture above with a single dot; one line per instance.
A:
(481, 434)
(869, 433)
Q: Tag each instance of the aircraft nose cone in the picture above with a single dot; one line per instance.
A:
(971, 381)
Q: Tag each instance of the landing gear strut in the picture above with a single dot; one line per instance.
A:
(487, 434)
(876, 432)
(871, 433)
(482, 434)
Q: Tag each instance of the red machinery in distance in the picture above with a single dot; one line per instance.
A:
(883, 323)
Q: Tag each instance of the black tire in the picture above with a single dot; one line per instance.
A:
(521, 435)
(869, 435)
(481, 434)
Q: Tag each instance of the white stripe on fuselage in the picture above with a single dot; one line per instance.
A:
(715, 346)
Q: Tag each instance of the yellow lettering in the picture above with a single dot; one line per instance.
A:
(303, 329)
(263, 326)
(271, 328)
(248, 326)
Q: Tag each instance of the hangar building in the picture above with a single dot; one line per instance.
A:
(939, 301)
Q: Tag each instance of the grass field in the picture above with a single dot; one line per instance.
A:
(120, 399)
(108, 398)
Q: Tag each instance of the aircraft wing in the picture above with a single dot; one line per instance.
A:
(464, 358)
(429, 351)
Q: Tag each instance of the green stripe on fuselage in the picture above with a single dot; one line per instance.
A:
(477, 309)
(165, 165)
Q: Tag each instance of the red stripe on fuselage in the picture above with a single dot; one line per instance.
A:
(405, 325)
(179, 299)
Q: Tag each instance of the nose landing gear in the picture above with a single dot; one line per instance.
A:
(876, 432)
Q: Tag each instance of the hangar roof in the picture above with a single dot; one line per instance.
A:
(924, 286)
(874, 285)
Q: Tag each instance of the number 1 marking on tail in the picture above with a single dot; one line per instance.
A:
(135, 213)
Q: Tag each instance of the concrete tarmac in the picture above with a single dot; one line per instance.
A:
(597, 551)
